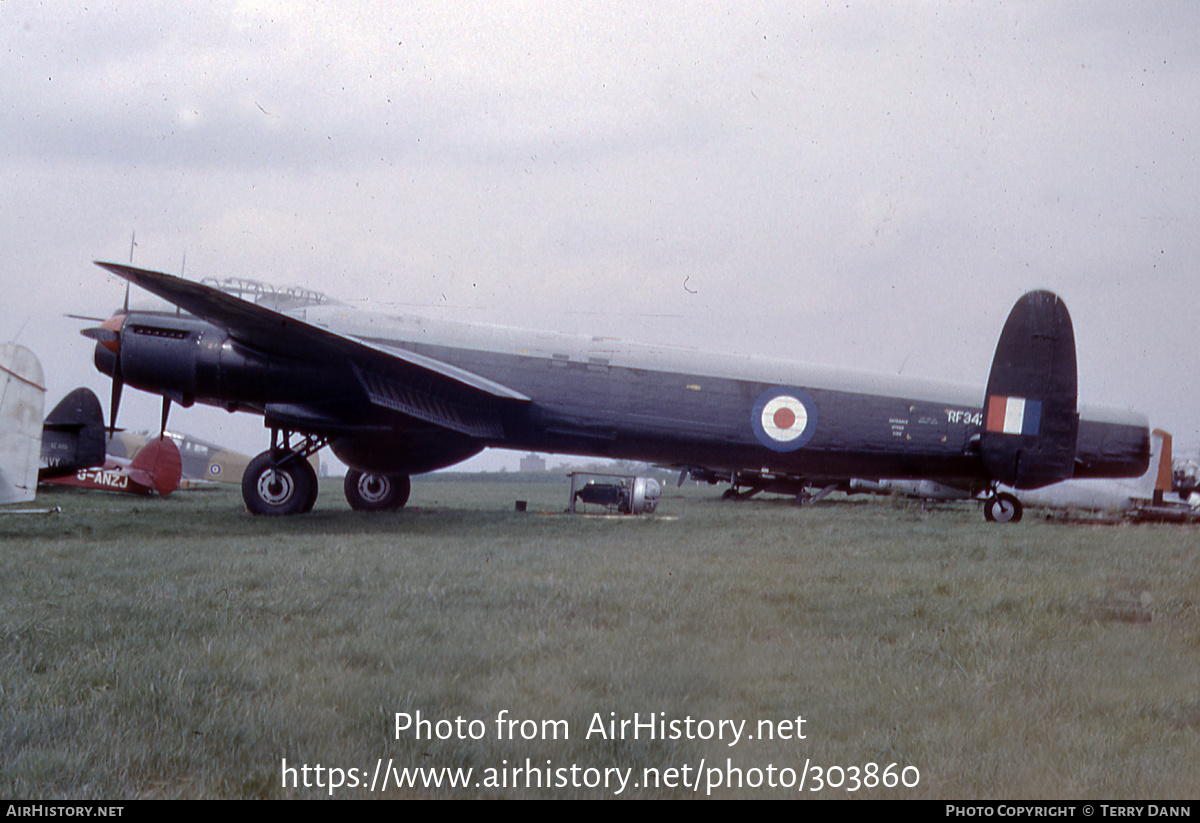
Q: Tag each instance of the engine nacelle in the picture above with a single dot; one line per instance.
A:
(161, 354)
(191, 360)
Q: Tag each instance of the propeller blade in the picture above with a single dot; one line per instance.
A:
(101, 334)
(108, 333)
(118, 383)
(166, 409)
(85, 317)
(115, 403)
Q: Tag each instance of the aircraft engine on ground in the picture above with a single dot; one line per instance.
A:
(635, 495)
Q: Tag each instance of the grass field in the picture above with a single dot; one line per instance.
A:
(182, 648)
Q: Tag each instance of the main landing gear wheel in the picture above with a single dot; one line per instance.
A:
(1002, 508)
(369, 492)
(312, 496)
(288, 486)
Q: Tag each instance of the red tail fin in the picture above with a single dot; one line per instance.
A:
(161, 461)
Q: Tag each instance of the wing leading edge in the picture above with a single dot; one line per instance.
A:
(397, 379)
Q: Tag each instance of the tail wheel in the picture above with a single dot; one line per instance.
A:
(1002, 508)
(283, 487)
(370, 492)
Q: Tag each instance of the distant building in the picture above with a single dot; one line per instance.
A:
(533, 463)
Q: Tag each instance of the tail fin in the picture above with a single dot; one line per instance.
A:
(22, 400)
(1157, 478)
(1164, 481)
(160, 459)
(1030, 416)
(73, 435)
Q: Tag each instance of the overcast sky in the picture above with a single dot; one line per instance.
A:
(870, 185)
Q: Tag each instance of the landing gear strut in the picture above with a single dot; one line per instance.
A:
(281, 481)
(368, 492)
(1002, 507)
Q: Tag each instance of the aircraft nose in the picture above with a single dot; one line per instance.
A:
(108, 344)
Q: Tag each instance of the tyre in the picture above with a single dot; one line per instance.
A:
(1002, 508)
(370, 492)
(312, 497)
(287, 488)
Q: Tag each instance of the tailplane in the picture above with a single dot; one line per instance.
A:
(1030, 421)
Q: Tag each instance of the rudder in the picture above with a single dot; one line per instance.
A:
(160, 460)
(22, 399)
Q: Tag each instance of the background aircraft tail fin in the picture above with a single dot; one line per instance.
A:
(160, 460)
(1156, 480)
(73, 435)
(1030, 417)
(1164, 481)
(22, 400)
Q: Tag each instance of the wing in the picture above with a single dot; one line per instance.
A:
(393, 378)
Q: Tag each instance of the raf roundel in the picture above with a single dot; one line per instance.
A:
(784, 419)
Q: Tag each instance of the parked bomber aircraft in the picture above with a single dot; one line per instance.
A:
(395, 396)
